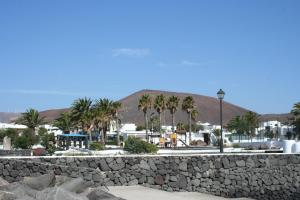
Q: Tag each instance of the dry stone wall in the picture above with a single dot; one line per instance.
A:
(260, 176)
(24, 152)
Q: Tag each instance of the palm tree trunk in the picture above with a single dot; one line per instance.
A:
(146, 125)
(118, 132)
(99, 132)
(190, 127)
(102, 136)
(90, 135)
(164, 117)
(159, 122)
(105, 133)
(173, 122)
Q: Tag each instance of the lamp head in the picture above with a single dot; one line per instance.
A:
(221, 94)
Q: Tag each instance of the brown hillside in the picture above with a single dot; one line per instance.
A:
(283, 118)
(51, 115)
(208, 108)
(7, 117)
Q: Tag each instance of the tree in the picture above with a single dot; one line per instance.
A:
(297, 127)
(269, 133)
(181, 126)
(188, 105)
(64, 122)
(26, 140)
(172, 105)
(31, 118)
(116, 106)
(194, 115)
(11, 133)
(140, 128)
(81, 112)
(145, 104)
(104, 111)
(237, 125)
(154, 123)
(296, 109)
(251, 121)
(160, 106)
(296, 122)
(48, 141)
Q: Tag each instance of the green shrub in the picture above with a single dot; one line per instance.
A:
(137, 146)
(11, 133)
(236, 146)
(51, 149)
(22, 142)
(30, 134)
(96, 146)
(140, 128)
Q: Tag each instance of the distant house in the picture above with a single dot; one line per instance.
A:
(11, 125)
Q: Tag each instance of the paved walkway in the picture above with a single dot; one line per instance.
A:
(143, 193)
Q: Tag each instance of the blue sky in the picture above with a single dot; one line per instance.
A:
(52, 52)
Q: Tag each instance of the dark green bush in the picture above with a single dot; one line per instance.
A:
(236, 146)
(137, 146)
(11, 133)
(140, 128)
(22, 142)
(30, 134)
(96, 146)
(111, 142)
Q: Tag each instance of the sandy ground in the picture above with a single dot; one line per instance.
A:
(143, 193)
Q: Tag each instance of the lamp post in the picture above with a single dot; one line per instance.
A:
(221, 95)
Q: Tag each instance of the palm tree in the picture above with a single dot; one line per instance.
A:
(195, 114)
(237, 124)
(296, 119)
(188, 105)
(172, 105)
(251, 121)
(145, 103)
(31, 118)
(180, 126)
(105, 111)
(98, 120)
(115, 114)
(64, 122)
(82, 115)
(160, 106)
(296, 109)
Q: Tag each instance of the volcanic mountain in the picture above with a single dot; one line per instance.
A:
(208, 108)
(8, 116)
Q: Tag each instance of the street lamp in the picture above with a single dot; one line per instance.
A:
(221, 95)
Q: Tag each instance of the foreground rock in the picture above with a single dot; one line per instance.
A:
(51, 187)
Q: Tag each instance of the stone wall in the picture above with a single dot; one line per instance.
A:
(260, 176)
(23, 152)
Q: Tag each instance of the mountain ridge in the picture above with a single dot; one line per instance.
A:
(208, 108)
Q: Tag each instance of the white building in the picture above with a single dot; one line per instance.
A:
(52, 129)
(275, 126)
(14, 126)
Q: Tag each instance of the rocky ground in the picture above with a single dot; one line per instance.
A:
(51, 187)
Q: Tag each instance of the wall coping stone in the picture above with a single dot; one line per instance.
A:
(150, 155)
